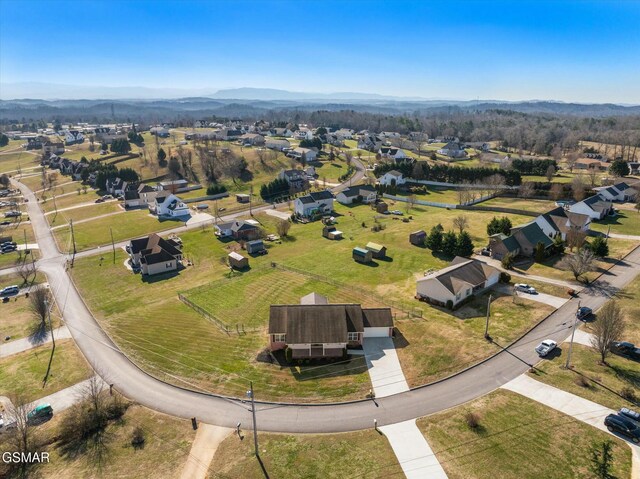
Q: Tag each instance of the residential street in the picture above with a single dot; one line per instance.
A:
(116, 368)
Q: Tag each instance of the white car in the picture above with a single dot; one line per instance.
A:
(545, 347)
(525, 288)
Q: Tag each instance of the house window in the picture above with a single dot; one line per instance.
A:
(352, 336)
(458, 296)
(168, 265)
(279, 338)
(468, 292)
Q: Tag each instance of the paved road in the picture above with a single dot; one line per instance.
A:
(115, 368)
(543, 279)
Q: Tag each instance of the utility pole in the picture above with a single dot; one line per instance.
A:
(250, 198)
(486, 327)
(53, 343)
(573, 332)
(253, 411)
(113, 246)
(73, 240)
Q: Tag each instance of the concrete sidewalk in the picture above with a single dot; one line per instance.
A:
(204, 447)
(582, 337)
(571, 405)
(413, 451)
(24, 344)
(384, 367)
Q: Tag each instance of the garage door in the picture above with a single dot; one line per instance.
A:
(376, 332)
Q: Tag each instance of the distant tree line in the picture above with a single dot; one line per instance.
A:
(533, 166)
(449, 174)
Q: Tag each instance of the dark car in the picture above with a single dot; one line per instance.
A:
(624, 426)
(624, 348)
(584, 312)
(630, 414)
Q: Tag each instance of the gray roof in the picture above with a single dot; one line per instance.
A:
(462, 271)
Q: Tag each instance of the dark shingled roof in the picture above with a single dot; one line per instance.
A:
(534, 234)
(460, 272)
(153, 244)
(324, 323)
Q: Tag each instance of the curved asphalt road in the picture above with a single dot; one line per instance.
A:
(116, 369)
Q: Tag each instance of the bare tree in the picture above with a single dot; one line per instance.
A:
(571, 160)
(556, 191)
(593, 176)
(411, 202)
(551, 171)
(526, 190)
(282, 227)
(495, 183)
(25, 270)
(22, 438)
(575, 238)
(461, 223)
(577, 188)
(608, 328)
(39, 305)
(580, 263)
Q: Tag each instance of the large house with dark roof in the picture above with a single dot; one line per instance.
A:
(317, 329)
(618, 192)
(154, 255)
(314, 205)
(460, 280)
(596, 207)
(361, 193)
(168, 204)
(238, 230)
(560, 222)
(452, 150)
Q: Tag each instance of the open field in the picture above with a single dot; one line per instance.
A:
(127, 225)
(526, 204)
(439, 195)
(23, 373)
(626, 222)
(226, 299)
(517, 439)
(148, 320)
(19, 159)
(84, 212)
(68, 199)
(356, 454)
(604, 382)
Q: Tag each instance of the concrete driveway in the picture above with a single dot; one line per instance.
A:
(384, 367)
(544, 298)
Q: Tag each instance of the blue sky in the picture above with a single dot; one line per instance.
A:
(573, 51)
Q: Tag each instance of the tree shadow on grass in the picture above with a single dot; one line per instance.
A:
(38, 332)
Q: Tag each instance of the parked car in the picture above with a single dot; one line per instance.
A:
(9, 290)
(99, 200)
(545, 347)
(525, 288)
(397, 212)
(40, 412)
(8, 249)
(485, 252)
(624, 348)
(5, 223)
(584, 312)
(624, 426)
(630, 414)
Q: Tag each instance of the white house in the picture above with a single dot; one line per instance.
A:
(309, 154)
(452, 150)
(284, 132)
(364, 193)
(559, 221)
(277, 144)
(344, 134)
(457, 282)
(72, 137)
(168, 204)
(314, 204)
(618, 192)
(596, 207)
(392, 177)
(394, 153)
(303, 133)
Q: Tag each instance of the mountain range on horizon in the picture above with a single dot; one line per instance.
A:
(52, 91)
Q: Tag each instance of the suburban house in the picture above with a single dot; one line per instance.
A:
(143, 195)
(343, 134)
(591, 164)
(303, 133)
(393, 178)
(316, 329)
(369, 142)
(252, 139)
(105, 134)
(596, 207)
(168, 204)
(115, 186)
(418, 238)
(238, 230)
(237, 261)
(283, 132)
(277, 144)
(452, 150)
(314, 204)
(228, 134)
(618, 192)
(528, 236)
(307, 153)
(154, 255)
(460, 280)
(357, 194)
(36, 143)
(53, 148)
(392, 153)
(295, 178)
(71, 137)
(560, 221)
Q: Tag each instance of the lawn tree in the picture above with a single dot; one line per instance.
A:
(508, 260)
(607, 329)
(580, 263)
(23, 438)
(619, 168)
(4, 180)
(39, 306)
(232, 165)
(348, 156)
(162, 156)
(556, 191)
(602, 459)
(575, 238)
(282, 227)
(4, 140)
(411, 202)
(449, 243)
(434, 239)
(526, 190)
(599, 247)
(461, 222)
(571, 160)
(25, 270)
(551, 171)
(577, 188)
(593, 176)
(464, 245)
(558, 244)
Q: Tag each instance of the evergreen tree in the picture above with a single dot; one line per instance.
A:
(619, 168)
(599, 247)
(449, 243)
(434, 240)
(162, 155)
(464, 245)
(4, 139)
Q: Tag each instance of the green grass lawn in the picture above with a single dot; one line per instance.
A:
(439, 195)
(629, 299)
(19, 159)
(620, 373)
(516, 439)
(71, 198)
(626, 222)
(84, 212)
(526, 204)
(23, 373)
(360, 454)
(330, 170)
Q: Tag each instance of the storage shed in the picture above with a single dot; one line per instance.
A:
(331, 232)
(255, 247)
(377, 250)
(382, 207)
(362, 255)
(242, 198)
(417, 237)
(237, 261)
